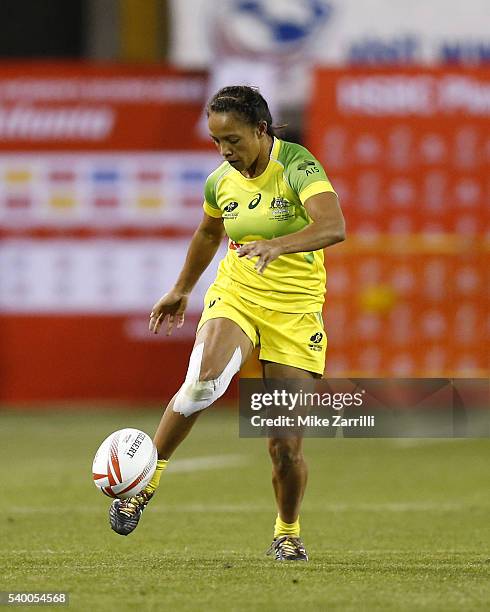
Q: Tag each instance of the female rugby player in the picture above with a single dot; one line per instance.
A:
(274, 201)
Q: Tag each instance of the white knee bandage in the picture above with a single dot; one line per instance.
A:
(195, 394)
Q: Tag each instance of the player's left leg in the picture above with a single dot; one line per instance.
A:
(289, 477)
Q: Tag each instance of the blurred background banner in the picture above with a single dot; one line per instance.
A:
(334, 32)
(296, 36)
(73, 106)
(92, 233)
(408, 151)
(104, 153)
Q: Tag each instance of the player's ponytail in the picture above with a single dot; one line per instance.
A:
(245, 101)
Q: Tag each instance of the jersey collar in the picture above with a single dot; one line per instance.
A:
(258, 181)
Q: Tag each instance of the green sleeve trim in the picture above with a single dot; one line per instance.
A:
(211, 210)
(301, 168)
(211, 186)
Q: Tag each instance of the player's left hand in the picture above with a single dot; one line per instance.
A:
(265, 250)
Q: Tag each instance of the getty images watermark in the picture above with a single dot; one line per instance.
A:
(431, 407)
(298, 400)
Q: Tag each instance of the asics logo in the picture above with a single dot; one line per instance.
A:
(255, 202)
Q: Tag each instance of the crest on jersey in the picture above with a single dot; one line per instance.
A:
(281, 209)
(279, 203)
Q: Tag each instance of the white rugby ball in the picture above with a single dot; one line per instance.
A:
(124, 463)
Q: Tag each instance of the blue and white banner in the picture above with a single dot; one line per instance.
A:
(273, 44)
(333, 32)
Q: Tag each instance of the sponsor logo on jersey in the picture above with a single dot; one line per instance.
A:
(309, 166)
(315, 341)
(229, 211)
(255, 202)
(213, 302)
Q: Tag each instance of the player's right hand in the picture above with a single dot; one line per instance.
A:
(170, 306)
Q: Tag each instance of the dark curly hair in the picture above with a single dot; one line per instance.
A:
(245, 101)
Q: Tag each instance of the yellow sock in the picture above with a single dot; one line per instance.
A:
(152, 486)
(281, 528)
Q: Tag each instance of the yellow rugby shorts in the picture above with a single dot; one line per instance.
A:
(293, 339)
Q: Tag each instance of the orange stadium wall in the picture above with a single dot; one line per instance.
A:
(97, 207)
(409, 152)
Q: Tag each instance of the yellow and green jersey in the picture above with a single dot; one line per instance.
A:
(265, 207)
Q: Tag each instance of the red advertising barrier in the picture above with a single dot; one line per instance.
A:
(414, 313)
(409, 152)
(93, 226)
(45, 358)
(72, 106)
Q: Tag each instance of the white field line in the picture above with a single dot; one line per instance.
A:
(192, 464)
(212, 462)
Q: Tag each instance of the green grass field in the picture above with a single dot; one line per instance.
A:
(389, 524)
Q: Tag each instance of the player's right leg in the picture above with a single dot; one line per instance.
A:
(220, 349)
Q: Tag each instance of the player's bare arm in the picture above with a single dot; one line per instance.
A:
(328, 228)
(202, 249)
